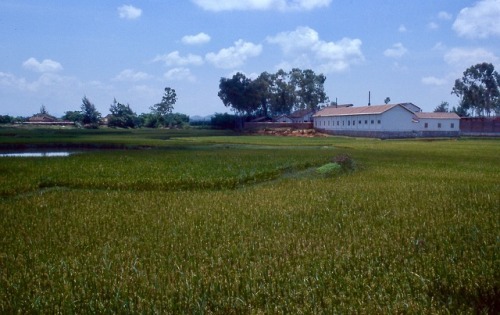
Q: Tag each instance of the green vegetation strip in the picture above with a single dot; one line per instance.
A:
(414, 229)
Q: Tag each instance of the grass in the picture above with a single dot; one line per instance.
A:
(414, 229)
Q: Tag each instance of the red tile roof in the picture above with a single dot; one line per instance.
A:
(361, 110)
(437, 115)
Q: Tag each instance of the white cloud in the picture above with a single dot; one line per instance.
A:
(131, 75)
(11, 81)
(433, 26)
(439, 46)
(46, 65)
(175, 59)
(397, 51)
(337, 56)
(301, 38)
(402, 29)
(479, 21)
(282, 5)
(443, 15)
(129, 12)
(179, 74)
(433, 81)
(48, 82)
(200, 38)
(234, 56)
(306, 47)
(465, 57)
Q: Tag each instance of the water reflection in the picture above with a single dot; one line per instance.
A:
(35, 154)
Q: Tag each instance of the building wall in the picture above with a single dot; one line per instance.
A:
(368, 122)
(396, 119)
(305, 118)
(433, 124)
(393, 134)
(284, 119)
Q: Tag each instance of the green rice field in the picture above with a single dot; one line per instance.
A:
(212, 222)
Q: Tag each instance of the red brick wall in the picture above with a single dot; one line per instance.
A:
(480, 125)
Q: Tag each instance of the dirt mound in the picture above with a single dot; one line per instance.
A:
(289, 132)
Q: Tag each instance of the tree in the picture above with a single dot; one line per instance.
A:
(121, 116)
(460, 111)
(74, 116)
(148, 120)
(43, 110)
(479, 89)
(309, 89)
(165, 107)
(273, 94)
(283, 94)
(223, 121)
(91, 116)
(6, 119)
(442, 108)
(239, 93)
(387, 100)
(263, 85)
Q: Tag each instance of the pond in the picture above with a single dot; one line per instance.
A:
(37, 154)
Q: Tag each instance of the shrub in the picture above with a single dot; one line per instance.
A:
(329, 169)
(345, 161)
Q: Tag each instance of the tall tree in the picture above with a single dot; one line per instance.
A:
(273, 94)
(283, 96)
(442, 108)
(240, 94)
(263, 85)
(121, 116)
(309, 89)
(43, 110)
(479, 89)
(90, 114)
(460, 111)
(75, 116)
(166, 105)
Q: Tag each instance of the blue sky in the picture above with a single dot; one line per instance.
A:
(54, 52)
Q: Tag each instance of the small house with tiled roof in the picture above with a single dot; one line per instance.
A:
(386, 121)
(283, 119)
(42, 118)
(302, 115)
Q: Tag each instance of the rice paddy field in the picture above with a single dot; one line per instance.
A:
(210, 222)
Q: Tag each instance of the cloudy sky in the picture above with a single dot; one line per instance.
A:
(54, 52)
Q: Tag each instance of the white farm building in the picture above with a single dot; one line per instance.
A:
(386, 121)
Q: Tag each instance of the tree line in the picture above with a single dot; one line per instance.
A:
(273, 94)
(478, 90)
(121, 115)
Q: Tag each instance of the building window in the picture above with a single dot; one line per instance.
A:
(426, 125)
(353, 122)
(348, 122)
(439, 125)
(366, 122)
(379, 122)
(338, 122)
(373, 121)
(452, 125)
(359, 122)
